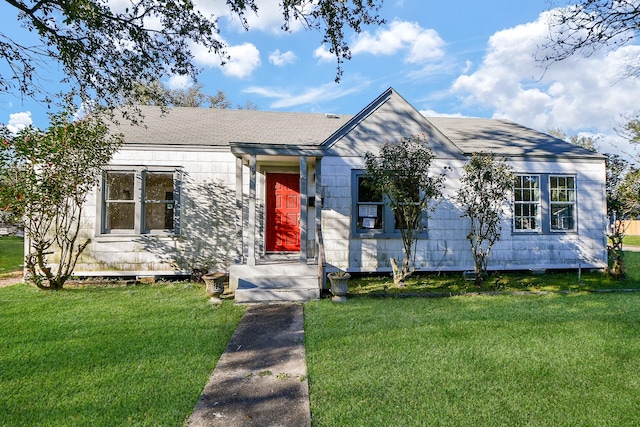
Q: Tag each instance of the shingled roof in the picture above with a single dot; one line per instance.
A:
(184, 126)
(506, 138)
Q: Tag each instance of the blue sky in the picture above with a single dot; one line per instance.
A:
(459, 58)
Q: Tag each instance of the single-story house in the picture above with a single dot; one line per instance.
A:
(234, 190)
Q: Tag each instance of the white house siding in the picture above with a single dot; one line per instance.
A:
(446, 247)
(585, 247)
(206, 223)
(208, 212)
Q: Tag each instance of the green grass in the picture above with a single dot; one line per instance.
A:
(108, 356)
(448, 283)
(632, 240)
(11, 254)
(551, 360)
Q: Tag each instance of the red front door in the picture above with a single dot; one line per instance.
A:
(283, 212)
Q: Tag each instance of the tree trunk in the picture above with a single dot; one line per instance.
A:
(616, 261)
(399, 274)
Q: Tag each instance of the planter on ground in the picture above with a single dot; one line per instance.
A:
(339, 287)
(215, 286)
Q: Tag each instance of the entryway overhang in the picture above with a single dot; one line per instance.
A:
(260, 158)
(254, 278)
(263, 152)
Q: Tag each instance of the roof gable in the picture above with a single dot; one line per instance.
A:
(389, 118)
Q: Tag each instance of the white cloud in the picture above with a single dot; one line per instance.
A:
(578, 94)
(420, 44)
(323, 54)
(244, 59)
(19, 121)
(432, 113)
(281, 59)
(242, 62)
(179, 82)
(285, 98)
(268, 19)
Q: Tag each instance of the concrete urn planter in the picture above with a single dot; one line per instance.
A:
(339, 287)
(215, 286)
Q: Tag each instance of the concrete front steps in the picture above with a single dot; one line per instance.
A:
(274, 283)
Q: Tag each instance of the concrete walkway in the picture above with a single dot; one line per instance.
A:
(261, 378)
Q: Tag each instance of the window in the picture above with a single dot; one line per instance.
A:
(158, 198)
(119, 203)
(526, 191)
(370, 206)
(139, 201)
(562, 202)
(372, 216)
(544, 203)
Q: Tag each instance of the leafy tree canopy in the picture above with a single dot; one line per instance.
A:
(104, 48)
(156, 93)
(45, 177)
(483, 194)
(587, 142)
(403, 172)
(631, 130)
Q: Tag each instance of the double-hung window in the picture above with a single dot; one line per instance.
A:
(527, 209)
(118, 202)
(158, 201)
(139, 201)
(370, 206)
(544, 203)
(562, 202)
(373, 217)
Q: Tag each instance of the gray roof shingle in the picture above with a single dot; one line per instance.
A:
(503, 137)
(185, 126)
(216, 127)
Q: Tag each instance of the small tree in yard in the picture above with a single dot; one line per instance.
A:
(618, 204)
(402, 173)
(484, 191)
(46, 177)
(623, 202)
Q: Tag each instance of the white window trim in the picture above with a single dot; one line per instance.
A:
(545, 217)
(573, 203)
(538, 229)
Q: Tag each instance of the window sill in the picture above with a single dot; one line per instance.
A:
(126, 237)
(381, 235)
(542, 233)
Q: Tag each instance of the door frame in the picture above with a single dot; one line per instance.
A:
(279, 171)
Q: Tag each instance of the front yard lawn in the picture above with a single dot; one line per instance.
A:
(550, 360)
(632, 240)
(11, 254)
(447, 283)
(108, 356)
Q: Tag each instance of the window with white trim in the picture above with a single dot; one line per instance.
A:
(562, 202)
(527, 209)
(139, 201)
